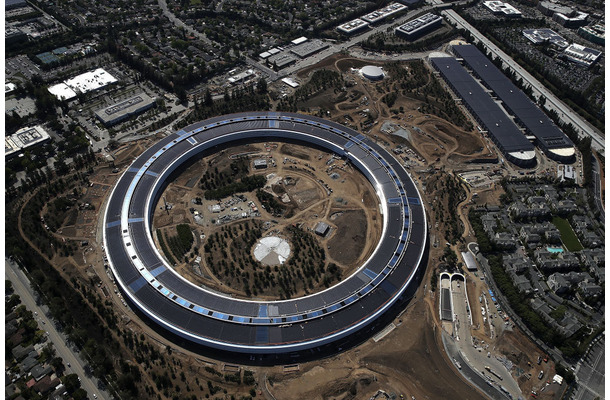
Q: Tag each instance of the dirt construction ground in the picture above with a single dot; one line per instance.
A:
(410, 359)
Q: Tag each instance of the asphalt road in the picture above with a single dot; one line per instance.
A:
(590, 373)
(565, 113)
(336, 48)
(474, 377)
(477, 360)
(178, 23)
(21, 285)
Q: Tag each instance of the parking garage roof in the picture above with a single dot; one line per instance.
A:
(515, 101)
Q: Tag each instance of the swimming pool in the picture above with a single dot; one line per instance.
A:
(554, 249)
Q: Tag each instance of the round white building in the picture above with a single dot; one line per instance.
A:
(372, 72)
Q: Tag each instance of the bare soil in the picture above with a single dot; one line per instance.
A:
(311, 183)
(410, 360)
(349, 237)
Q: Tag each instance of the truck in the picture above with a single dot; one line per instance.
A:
(494, 373)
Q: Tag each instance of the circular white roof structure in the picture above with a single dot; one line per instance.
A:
(564, 152)
(372, 72)
(523, 155)
(272, 250)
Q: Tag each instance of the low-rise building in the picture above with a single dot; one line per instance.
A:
(595, 34)
(353, 26)
(549, 261)
(582, 55)
(518, 210)
(503, 9)
(561, 283)
(522, 284)
(125, 109)
(322, 229)
(589, 288)
(23, 139)
(382, 13)
(419, 26)
(564, 207)
(545, 35)
(504, 241)
(571, 20)
(517, 263)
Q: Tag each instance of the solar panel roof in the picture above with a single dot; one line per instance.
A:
(535, 120)
(507, 136)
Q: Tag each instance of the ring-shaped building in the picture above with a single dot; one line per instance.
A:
(219, 321)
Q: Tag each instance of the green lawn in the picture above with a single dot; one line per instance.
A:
(568, 237)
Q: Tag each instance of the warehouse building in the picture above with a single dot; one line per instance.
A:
(468, 258)
(125, 109)
(551, 140)
(300, 40)
(82, 83)
(281, 60)
(419, 26)
(501, 129)
(309, 48)
(260, 163)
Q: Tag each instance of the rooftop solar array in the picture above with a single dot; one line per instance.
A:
(47, 58)
(502, 129)
(220, 321)
(515, 101)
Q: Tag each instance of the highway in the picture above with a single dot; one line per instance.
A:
(566, 114)
(355, 40)
(74, 364)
